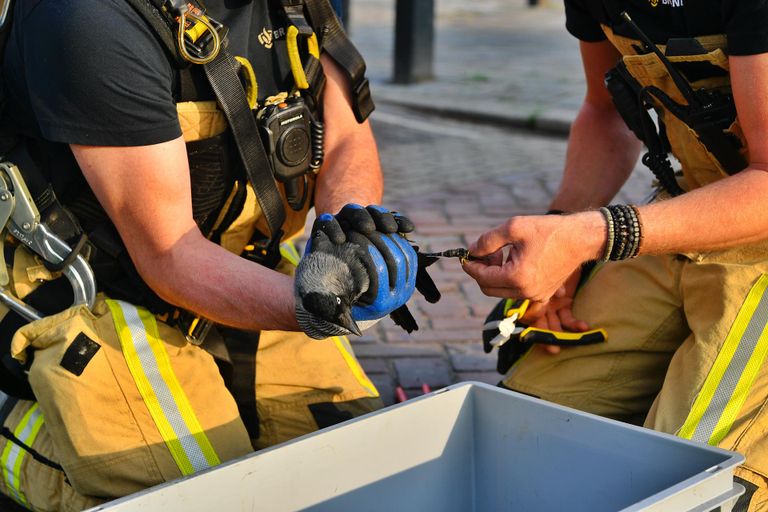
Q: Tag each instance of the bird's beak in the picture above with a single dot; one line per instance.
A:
(346, 321)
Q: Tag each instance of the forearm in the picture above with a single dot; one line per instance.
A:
(725, 214)
(601, 154)
(202, 277)
(351, 173)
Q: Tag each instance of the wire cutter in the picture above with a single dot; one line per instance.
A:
(514, 339)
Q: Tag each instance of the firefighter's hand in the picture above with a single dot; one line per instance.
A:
(542, 252)
(557, 313)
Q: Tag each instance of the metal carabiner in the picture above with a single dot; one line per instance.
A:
(186, 37)
(24, 224)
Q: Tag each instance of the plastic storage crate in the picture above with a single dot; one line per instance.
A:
(469, 447)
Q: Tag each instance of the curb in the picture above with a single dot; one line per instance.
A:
(553, 122)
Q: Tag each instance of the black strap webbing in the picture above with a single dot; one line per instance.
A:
(162, 26)
(222, 74)
(335, 42)
(242, 347)
(5, 432)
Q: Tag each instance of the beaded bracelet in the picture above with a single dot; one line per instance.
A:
(624, 232)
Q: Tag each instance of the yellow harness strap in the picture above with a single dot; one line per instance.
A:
(297, 68)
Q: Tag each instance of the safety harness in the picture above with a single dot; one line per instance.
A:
(194, 40)
(687, 83)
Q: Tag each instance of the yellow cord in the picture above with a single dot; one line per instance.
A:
(251, 85)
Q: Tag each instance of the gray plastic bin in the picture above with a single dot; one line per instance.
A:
(470, 447)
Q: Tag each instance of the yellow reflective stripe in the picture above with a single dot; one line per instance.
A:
(13, 454)
(167, 403)
(182, 402)
(289, 253)
(342, 343)
(738, 398)
(728, 383)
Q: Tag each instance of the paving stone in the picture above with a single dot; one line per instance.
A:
(391, 350)
(371, 365)
(471, 358)
(386, 386)
(465, 324)
(492, 378)
(412, 373)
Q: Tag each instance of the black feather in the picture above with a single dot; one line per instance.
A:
(402, 316)
(424, 282)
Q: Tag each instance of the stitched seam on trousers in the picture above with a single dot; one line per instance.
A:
(347, 396)
(753, 470)
(749, 425)
(153, 471)
(611, 380)
(615, 381)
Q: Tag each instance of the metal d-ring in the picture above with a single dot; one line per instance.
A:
(182, 42)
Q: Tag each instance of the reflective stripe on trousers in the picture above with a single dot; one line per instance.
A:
(159, 387)
(13, 454)
(737, 365)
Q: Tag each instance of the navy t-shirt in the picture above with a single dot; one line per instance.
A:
(93, 72)
(744, 22)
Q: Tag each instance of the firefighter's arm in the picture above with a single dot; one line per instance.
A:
(145, 190)
(727, 213)
(351, 172)
(602, 151)
(731, 211)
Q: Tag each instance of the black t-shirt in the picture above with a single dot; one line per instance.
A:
(93, 72)
(744, 22)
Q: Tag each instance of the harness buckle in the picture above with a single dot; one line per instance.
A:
(295, 15)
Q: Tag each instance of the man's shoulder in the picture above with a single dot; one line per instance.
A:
(86, 21)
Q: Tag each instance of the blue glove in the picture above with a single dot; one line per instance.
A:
(359, 267)
(393, 262)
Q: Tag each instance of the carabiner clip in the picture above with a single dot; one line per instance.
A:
(188, 37)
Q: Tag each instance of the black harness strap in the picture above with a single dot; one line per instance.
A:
(225, 82)
(34, 453)
(162, 24)
(705, 124)
(242, 347)
(335, 42)
(8, 405)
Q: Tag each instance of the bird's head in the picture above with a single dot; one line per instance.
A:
(336, 309)
(328, 281)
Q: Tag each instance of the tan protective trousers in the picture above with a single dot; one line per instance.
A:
(125, 403)
(687, 340)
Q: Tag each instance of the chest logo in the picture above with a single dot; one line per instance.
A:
(265, 38)
(671, 3)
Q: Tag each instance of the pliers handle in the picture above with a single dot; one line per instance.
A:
(515, 339)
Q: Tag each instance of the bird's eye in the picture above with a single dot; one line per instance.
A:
(338, 300)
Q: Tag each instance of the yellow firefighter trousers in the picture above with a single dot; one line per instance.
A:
(686, 349)
(124, 403)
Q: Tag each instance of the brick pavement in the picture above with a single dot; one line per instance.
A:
(455, 180)
(500, 63)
